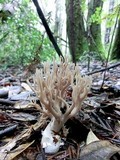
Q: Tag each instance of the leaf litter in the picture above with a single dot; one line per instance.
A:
(97, 123)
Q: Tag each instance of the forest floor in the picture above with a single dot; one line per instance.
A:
(94, 134)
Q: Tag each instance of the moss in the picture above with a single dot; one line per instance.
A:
(95, 41)
(75, 29)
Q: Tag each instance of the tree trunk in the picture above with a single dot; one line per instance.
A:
(116, 47)
(108, 29)
(58, 21)
(75, 29)
(94, 29)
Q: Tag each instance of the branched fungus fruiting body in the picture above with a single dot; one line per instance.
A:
(51, 87)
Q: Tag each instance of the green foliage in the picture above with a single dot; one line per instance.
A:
(21, 41)
(2, 1)
(96, 17)
(111, 17)
(83, 5)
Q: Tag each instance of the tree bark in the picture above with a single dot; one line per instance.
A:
(116, 47)
(58, 21)
(75, 29)
(94, 29)
(108, 29)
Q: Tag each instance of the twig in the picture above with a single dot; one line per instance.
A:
(50, 35)
(104, 69)
(8, 130)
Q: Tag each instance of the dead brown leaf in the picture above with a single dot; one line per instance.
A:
(99, 150)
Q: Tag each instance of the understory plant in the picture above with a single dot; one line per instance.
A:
(51, 86)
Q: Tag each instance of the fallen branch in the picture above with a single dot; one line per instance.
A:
(104, 69)
(49, 33)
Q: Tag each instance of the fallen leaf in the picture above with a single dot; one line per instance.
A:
(99, 150)
(26, 86)
(3, 92)
(17, 151)
(22, 116)
(22, 104)
(4, 150)
(91, 137)
(14, 90)
(22, 96)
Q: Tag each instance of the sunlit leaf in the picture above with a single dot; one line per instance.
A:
(91, 137)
